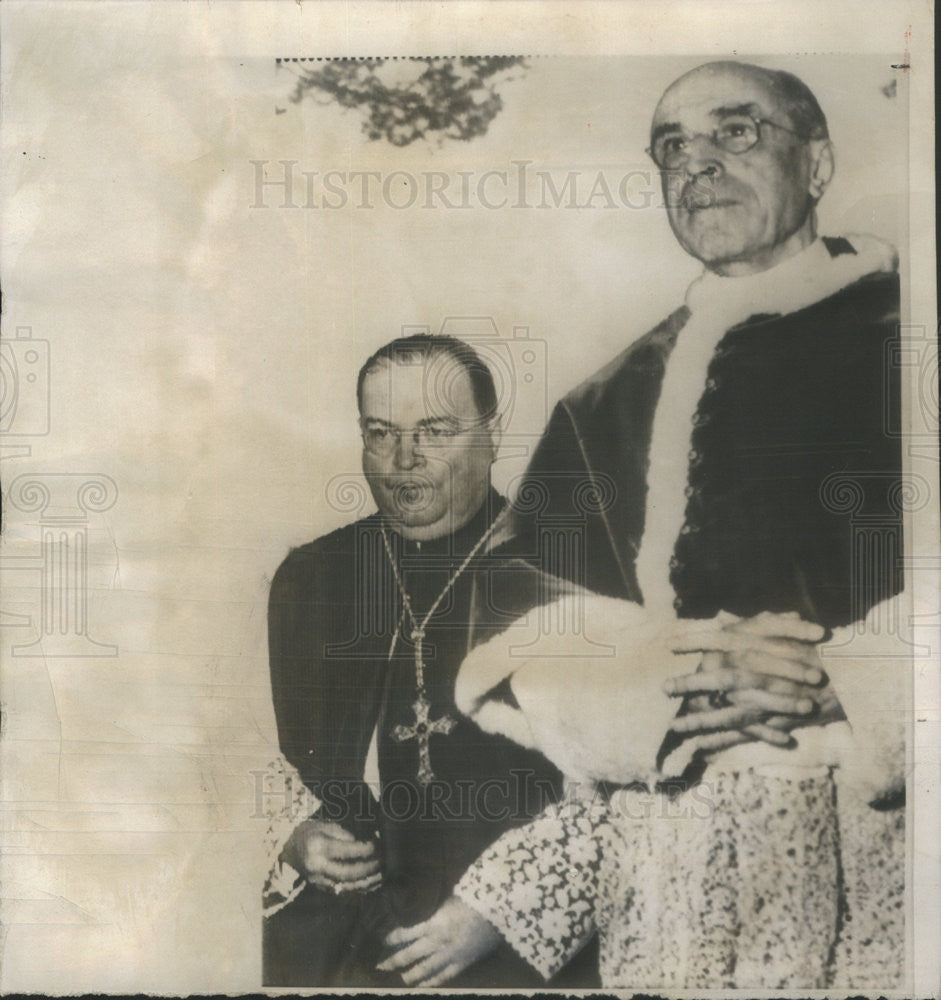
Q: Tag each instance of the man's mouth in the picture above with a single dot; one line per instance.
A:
(701, 204)
(410, 494)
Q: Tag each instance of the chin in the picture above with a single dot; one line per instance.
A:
(423, 519)
(713, 248)
(709, 237)
(418, 517)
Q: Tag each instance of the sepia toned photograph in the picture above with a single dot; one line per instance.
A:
(470, 500)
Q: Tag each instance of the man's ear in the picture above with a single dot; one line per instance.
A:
(822, 166)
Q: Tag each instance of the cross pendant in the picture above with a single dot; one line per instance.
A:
(422, 730)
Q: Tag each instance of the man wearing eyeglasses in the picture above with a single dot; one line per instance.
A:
(770, 344)
(743, 442)
(744, 156)
(367, 628)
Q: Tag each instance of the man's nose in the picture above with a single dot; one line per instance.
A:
(703, 158)
(408, 451)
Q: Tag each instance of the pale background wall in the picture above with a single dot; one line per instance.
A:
(203, 356)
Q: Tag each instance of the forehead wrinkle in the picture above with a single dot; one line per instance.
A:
(728, 110)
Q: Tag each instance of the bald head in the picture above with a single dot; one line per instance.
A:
(783, 90)
(745, 156)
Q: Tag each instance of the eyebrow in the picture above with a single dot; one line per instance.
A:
(664, 128)
(427, 422)
(725, 111)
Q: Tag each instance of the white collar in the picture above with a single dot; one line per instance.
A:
(796, 282)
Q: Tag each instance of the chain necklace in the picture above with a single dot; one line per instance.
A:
(424, 726)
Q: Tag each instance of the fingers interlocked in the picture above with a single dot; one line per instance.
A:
(332, 858)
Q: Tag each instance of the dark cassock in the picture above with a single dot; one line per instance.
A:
(367, 631)
(793, 495)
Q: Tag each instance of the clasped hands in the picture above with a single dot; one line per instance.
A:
(332, 858)
(759, 678)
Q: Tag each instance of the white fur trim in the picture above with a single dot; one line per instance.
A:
(869, 666)
(595, 715)
(717, 303)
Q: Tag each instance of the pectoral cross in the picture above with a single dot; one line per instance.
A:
(423, 727)
(421, 731)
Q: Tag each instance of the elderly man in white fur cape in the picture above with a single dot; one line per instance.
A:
(734, 452)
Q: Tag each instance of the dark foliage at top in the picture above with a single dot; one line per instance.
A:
(454, 98)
